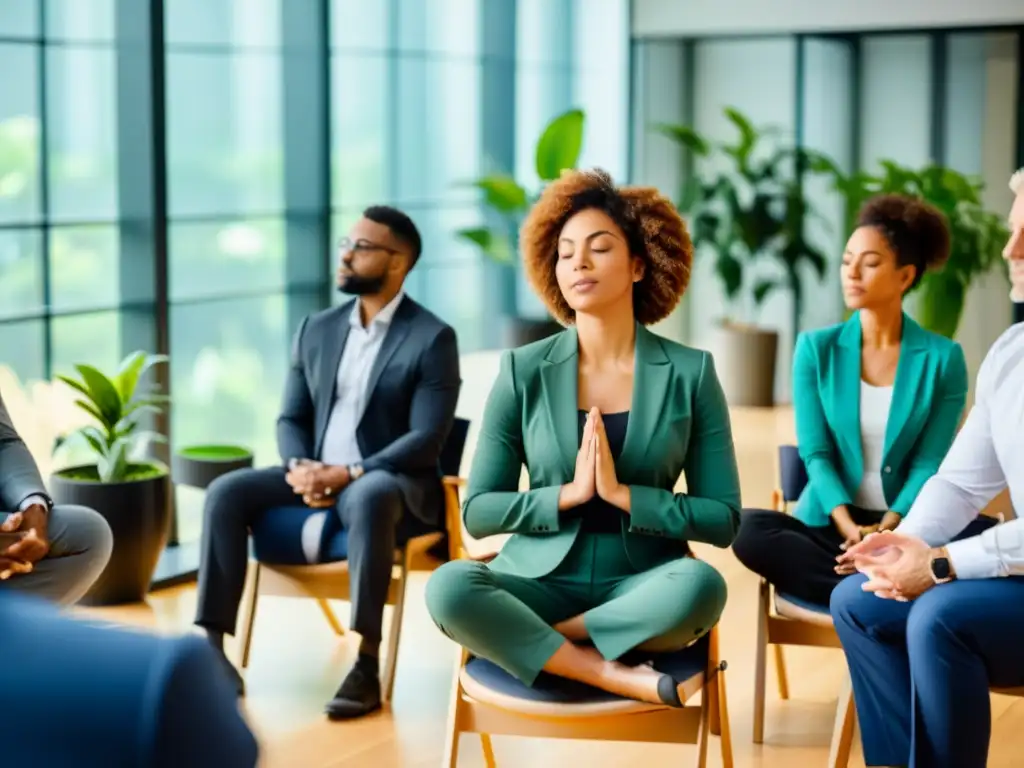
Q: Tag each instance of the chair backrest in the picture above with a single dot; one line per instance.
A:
(451, 453)
(792, 473)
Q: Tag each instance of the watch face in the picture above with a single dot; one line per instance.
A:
(940, 567)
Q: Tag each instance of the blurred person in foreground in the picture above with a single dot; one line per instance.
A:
(931, 623)
(93, 695)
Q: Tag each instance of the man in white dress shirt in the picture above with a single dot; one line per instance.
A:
(931, 623)
(368, 403)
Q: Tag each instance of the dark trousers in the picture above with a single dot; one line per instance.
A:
(370, 509)
(794, 557)
(921, 670)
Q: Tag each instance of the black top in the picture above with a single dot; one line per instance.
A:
(598, 515)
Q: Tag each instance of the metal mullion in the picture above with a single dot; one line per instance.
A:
(44, 193)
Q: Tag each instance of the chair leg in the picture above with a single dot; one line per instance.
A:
(331, 617)
(704, 730)
(710, 690)
(780, 672)
(846, 723)
(249, 615)
(395, 631)
(455, 705)
(485, 743)
(723, 719)
(760, 662)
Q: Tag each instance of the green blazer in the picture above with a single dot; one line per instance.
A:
(928, 400)
(678, 421)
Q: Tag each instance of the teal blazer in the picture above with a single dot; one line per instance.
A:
(928, 400)
(678, 422)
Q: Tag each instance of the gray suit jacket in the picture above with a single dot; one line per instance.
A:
(19, 476)
(413, 390)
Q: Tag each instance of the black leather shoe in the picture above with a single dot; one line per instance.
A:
(359, 694)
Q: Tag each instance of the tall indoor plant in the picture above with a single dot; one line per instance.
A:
(977, 235)
(508, 201)
(745, 203)
(129, 490)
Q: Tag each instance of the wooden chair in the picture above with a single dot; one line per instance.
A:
(486, 700)
(284, 574)
(784, 619)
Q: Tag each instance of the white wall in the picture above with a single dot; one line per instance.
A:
(697, 18)
(659, 96)
(982, 140)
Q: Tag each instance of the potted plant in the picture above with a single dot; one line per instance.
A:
(508, 202)
(750, 212)
(977, 236)
(130, 491)
(199, 465)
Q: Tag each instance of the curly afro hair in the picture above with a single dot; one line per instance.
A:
(916, 231)
(654, 232)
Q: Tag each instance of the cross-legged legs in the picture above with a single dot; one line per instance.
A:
(921, 671)
(527, 625)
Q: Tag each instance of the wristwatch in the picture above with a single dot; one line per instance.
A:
(355, 471)
(942, 569)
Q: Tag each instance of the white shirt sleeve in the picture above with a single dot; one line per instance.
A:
(968, 479)
(35, 498)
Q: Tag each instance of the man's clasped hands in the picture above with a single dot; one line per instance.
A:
(317, 483)
(898, 567)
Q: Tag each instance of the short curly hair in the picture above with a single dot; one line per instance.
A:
(654, 232)
(916, 231)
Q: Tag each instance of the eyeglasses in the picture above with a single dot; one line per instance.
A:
(346, 244)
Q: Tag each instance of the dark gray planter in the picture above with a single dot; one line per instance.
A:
(139, 514)
(198, 466)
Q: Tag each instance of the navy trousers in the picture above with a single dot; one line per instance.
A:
(921, 670)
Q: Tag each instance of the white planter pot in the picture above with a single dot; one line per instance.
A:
(745, 360)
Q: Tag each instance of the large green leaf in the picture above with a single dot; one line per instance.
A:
(762, 288)
(559, 146)
(686, 136)
(102, 393)
(113, 465)
(493, 244)
(502, 193)
(132, 369)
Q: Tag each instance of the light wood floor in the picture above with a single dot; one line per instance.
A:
(297, 663)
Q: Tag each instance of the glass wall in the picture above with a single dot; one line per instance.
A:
(175, 183)
(60, 296)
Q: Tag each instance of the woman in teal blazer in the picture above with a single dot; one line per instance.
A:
(878, 400)
(605, 416)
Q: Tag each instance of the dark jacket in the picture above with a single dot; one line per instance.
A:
(412, 393)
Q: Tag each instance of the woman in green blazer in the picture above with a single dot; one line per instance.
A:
(878, 400)
(605, 416)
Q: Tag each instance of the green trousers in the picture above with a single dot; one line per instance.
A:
(508, 619)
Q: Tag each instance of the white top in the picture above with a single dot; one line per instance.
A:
(986, 457)
(874, 415)
(340, 447)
